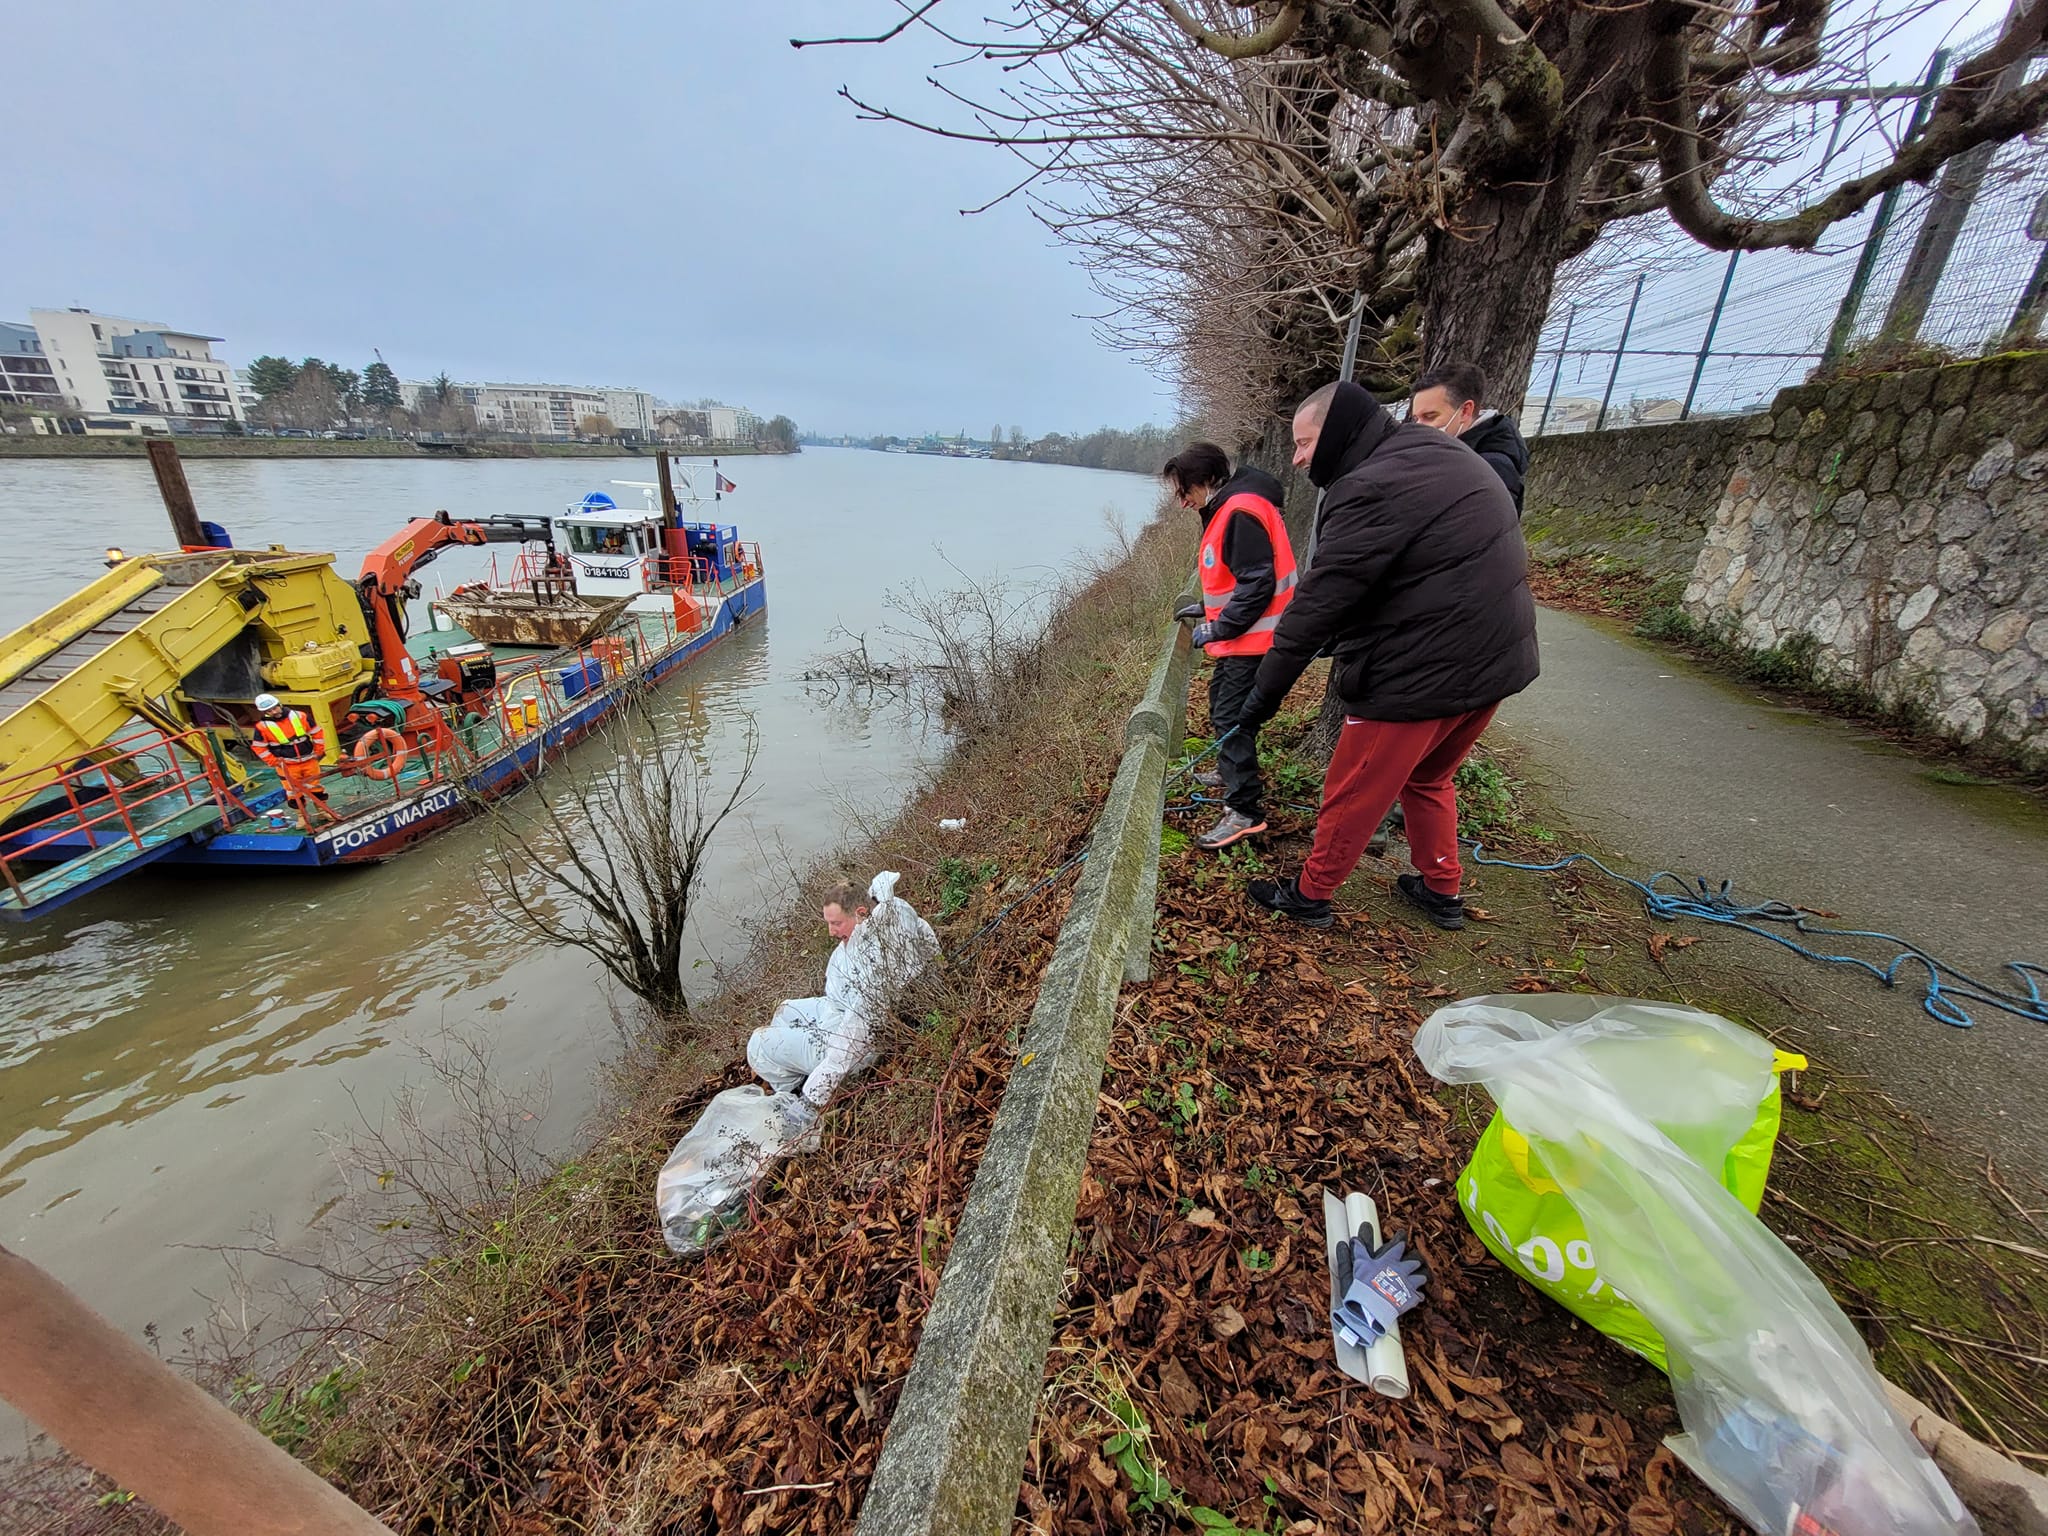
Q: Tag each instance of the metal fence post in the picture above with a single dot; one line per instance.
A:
(1954, 195)
(1564, 346)
(2033, 305)
(1620, 348)
(123, 1412)
(1351, 335)
(1844, 329)
(1707, 342)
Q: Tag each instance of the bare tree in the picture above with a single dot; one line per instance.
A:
(605, 852)
(1240, 176)
(958, 657)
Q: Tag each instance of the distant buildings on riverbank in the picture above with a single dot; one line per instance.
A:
(77, 371)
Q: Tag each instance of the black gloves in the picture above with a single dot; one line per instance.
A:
(1191, 614)
(1258, 709)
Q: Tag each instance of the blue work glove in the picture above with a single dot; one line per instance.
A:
(1190, 614)
(1258, 709)
(1384, 1284)
(1201, 634)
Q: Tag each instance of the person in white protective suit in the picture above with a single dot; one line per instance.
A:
(813, 1044)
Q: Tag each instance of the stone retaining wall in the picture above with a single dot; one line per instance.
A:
(954, 1453)
(1900, 522)
(1642, 495)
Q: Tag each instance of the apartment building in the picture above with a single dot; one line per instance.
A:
(632, 412)
(26, 377)
(533, 410)
(113, 374)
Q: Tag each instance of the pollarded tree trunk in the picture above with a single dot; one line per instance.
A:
(1492, 262)
(1486, 288)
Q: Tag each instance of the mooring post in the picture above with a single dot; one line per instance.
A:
(668, 491)
(177, 495)
(124, 1413)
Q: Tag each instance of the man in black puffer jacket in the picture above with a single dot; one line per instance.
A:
(1419, 588)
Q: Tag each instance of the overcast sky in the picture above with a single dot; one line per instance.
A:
(664, 196)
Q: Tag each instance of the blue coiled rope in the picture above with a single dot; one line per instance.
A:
(1947, 988)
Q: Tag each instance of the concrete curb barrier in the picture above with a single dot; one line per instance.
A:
(954, 1452)
(1162, 714)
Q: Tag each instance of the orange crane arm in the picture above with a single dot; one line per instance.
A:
(386, 581)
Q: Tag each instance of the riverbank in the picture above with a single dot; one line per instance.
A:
(548, 1365)
(40, 446)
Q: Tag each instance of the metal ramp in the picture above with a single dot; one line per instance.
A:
(76, 677)
(61, 883)
(136, 800)
(54, 665)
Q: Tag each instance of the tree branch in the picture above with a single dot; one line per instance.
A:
(1958, 124)
(896, 31)
(1274, 36)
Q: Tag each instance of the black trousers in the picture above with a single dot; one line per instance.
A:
(1230, 684)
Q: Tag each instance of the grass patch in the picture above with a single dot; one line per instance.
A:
(960, 879)
(1486, 795)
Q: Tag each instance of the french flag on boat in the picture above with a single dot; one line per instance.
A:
(725, 486)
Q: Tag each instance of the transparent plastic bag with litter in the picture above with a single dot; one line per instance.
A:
(1630, 1104)
(702, 1192)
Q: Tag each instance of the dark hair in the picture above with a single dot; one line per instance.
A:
(1461, 381)
(844, 895)
(1196, 464)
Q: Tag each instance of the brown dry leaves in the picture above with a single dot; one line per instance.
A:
(1302, 1077)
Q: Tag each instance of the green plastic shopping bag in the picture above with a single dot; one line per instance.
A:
(1524, 1218)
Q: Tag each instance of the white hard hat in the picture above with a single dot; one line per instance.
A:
(267, 702)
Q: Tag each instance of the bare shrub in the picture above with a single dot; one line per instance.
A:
(605, 853)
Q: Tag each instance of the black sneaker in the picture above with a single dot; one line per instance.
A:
(1444, 911)
(1286, 899)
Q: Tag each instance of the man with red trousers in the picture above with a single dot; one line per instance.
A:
(1418, 587)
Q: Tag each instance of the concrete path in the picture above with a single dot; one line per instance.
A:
(1671, 767)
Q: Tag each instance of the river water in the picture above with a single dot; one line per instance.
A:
(178, 1050)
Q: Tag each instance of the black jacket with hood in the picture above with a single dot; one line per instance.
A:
(1499, 441)
(1419, 581)
(1246, 551)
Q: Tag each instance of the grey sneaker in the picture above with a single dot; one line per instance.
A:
(1377, 847)
(1232, 828)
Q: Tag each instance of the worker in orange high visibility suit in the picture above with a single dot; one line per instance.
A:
(290, 740)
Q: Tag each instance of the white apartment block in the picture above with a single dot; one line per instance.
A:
(118, 375)
(558, 411)
(26, 377)
(632, 412)
(533, 410)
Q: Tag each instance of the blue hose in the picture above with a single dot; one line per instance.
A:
(1947, 988)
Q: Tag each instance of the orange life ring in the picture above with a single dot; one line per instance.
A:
(382, 752)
